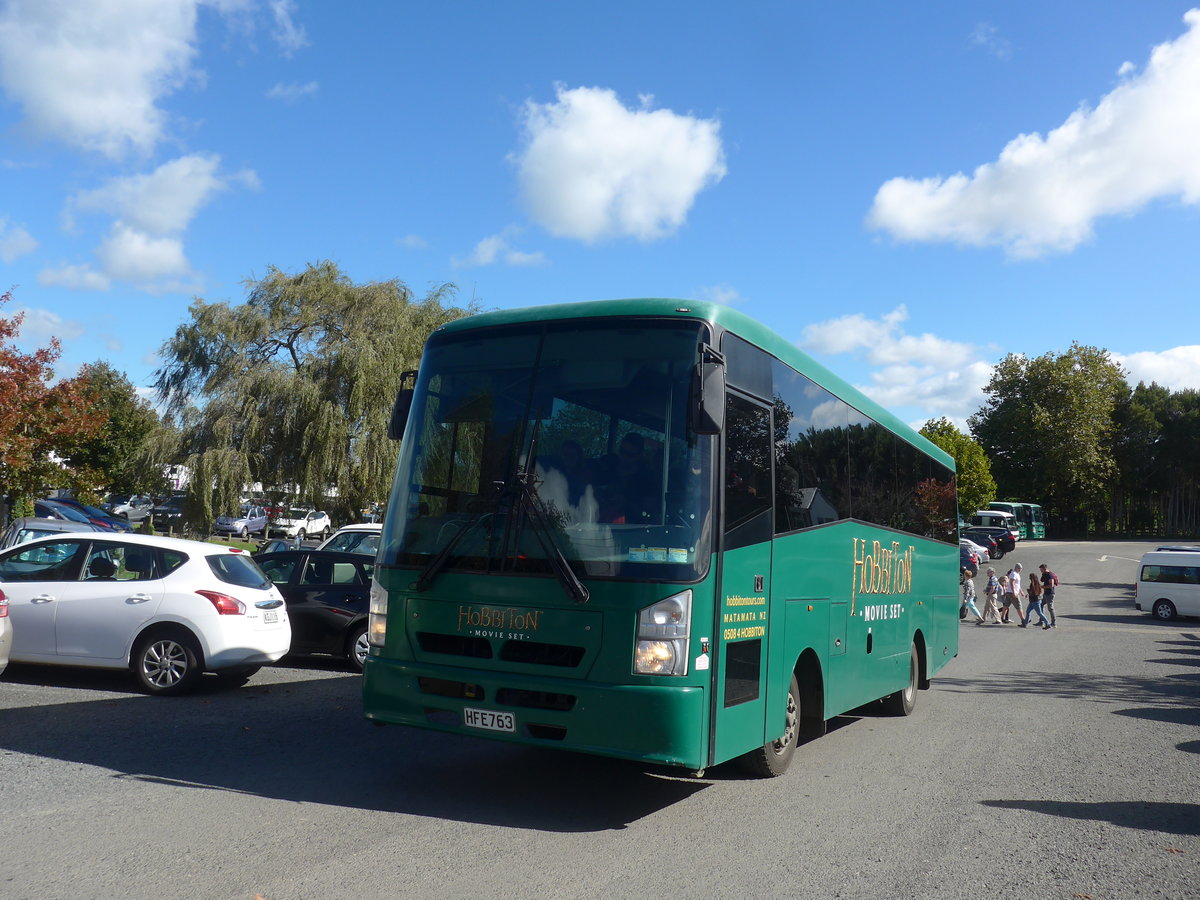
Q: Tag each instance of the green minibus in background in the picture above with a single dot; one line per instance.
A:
(654, 530)
(1029, 518)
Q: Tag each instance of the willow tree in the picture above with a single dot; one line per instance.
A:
(294, 387)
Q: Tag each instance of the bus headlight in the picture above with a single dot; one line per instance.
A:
(377, 615)
(662, 636)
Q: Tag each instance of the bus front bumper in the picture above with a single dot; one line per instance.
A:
(661, 724)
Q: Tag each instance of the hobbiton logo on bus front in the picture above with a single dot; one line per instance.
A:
(881, 570)
(501, 622)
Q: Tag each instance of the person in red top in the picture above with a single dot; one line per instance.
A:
(1049, 583)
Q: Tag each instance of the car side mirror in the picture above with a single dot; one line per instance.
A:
(708, 392)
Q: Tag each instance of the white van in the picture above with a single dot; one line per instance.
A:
(995, 518)
(1168, 584)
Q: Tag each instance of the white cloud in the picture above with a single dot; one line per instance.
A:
(593, 169)
(291, 92)
(987, 36)
(290, 36)
(165, 200)
(90, 74)
(1043, 194)
(941, 377)
(497, 248)
(39, 325)
(75, 278)
(412, 242)
(15, 241)
(721, 293)
(131, 255)
(1177, 368)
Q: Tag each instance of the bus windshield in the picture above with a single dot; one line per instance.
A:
(565, 443)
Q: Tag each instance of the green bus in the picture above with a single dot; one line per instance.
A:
(654, 530)
(1028, 515)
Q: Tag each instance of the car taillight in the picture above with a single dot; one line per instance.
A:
(226, 605)
(3, 605)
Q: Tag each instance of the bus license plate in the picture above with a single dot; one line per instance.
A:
(488, 720)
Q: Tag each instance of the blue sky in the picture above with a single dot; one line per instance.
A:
(907, 191)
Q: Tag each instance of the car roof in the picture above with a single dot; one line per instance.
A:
(361, 526)
(54, 524)
(165, 543)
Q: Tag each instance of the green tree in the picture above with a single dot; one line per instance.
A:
(113, 457)
(976, 487)
(1047, 427)
(294, 388)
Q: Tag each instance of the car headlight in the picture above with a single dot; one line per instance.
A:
(662, 636)
(377, 615)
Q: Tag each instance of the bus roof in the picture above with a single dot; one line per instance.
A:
(717, 314)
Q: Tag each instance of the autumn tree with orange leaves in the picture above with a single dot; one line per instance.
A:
(41, 420)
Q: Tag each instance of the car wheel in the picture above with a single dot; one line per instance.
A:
(357, 648)
(167, 663)
(325, 532)
(244, 533)
(1164, 610)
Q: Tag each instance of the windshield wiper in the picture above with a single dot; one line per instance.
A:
(438, 562)
(543, 530)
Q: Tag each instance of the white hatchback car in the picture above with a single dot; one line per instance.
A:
(360, 538)
(301, 523)
(5, 632)
(166, 609)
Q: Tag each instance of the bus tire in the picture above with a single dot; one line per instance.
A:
(1164, 610)
(773, 758)
(904, 701)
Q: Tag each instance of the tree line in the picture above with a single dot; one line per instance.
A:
(293, 389)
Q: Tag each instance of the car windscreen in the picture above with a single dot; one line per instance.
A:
(238, 569)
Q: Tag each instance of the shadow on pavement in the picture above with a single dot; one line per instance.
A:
(1173, 818)
(306, 741)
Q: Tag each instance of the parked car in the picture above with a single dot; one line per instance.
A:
(50, 509)
(5, 632)
(132, 509)
(95, 515)
(985, 541)
(1005, 542)
(967, 560)
(169, 514)
(274, 545)
(23, 530)
(360, 538)
(981, 553)
(166, 609)
(250, 520)
(328, 595)
(300, 522)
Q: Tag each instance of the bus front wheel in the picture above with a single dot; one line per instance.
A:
(775, 756)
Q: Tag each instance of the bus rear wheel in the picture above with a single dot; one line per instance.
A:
(1164, 610)
(903, 701)
(775, 756)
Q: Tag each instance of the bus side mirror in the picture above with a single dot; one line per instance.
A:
(708, 392)
(402, 406)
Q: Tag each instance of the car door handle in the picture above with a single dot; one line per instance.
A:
(42, 598)
(138, 598)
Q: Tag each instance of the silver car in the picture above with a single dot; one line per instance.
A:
(251, 520)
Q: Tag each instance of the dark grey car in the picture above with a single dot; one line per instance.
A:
(30, 529)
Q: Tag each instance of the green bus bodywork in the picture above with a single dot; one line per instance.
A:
(472, 612)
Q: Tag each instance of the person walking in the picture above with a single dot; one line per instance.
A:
(1049, 583)
(991, 591)
(968, 594)
(1012, 593)
(1035, 603)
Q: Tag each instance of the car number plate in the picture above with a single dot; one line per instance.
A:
(270, 616)
(489, 720)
